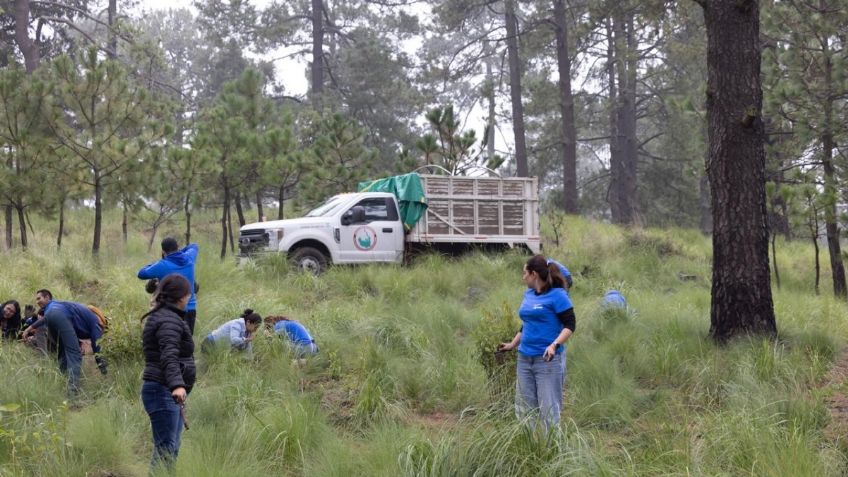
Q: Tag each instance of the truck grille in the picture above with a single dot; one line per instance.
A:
(252, 241)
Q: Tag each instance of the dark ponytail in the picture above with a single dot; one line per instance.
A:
(251, 317)
(548, 272)
(169, 291)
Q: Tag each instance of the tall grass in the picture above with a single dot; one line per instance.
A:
(402, 385)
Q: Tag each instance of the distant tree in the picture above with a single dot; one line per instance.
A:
(741, 300)
(453, 149)
(104, 122)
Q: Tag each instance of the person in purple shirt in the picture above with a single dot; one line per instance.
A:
(180, 261)
(69, 325)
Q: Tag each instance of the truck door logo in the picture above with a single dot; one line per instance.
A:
(364, 238)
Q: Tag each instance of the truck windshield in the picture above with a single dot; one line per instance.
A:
(327, 208)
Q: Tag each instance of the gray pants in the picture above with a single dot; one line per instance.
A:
(538, 388)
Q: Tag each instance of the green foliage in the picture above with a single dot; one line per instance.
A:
(497, 326)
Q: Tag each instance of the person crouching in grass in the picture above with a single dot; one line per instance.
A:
(237, 334)
(295, 334)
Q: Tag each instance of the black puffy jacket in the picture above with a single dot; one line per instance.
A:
(168, 349)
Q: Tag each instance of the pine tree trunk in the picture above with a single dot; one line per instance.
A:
(187, 209)
(491, 117)
(566, 105)
(28, 47)
(239, 209)
(124, 222)
(614, 191)
(317, 53)
(259, 212)
(224, 222)
(10, 240)
(741, 300)
(515, 88)
(774, 259)
(22, 222)
(834, 249)
(98, 212)
(281, 197)
(61, 223)
(623, 166)
(230, 229)
(113, 38)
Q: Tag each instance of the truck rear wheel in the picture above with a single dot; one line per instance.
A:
(308, 259)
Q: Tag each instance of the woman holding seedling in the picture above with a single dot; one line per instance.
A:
(169, 371)
(547, 317)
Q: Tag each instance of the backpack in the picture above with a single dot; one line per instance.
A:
(102, 319)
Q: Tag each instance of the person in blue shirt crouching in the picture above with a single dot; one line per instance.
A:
(297, 335)
(69, 325)
(236, 334)
(548, 321)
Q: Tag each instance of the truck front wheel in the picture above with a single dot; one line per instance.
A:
(308, 259)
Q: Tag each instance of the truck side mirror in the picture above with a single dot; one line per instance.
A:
(356, 215)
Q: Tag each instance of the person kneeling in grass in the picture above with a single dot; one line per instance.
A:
(297, 335)
(236, 333)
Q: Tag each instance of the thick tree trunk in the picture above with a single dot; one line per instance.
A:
(22, 222)
(317, 53)
(28, 47)
(281, 197)
(566, 106)
(113, 38)
(624, 203)
(239, 209)
(614, 191)
(98, 212)
(741, 300)
(259, 212)
(515, 89)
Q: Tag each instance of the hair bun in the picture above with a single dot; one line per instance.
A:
(247, 312)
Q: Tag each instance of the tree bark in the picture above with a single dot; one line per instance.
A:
(317, 53)
(259, 212)
(281, 197)
(98, 211)
(614, 191)
(239, 209)
(834, 249)
(61, 223)
(515, 88)
(124, 222)
(187, 209)
(566, 105)
(706, 222)
(224, 222)
(28, 47)
(230, 229)
(22, 222)
(10, 241)
(624, 203)
(113, 38)
(741, 299)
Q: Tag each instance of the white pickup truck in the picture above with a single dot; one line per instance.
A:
(361, 227)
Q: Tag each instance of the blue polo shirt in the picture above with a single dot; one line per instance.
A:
(541, 326)
(296, 332)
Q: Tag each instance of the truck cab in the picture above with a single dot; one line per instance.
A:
(347, 228)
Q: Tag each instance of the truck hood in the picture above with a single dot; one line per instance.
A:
(289, 223)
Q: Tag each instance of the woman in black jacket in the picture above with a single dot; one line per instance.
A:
(169, 371)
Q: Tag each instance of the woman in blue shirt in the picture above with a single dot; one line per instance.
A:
(236, 333)
(298, 336)
(547, 317)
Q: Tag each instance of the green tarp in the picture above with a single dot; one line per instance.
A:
(409, 192)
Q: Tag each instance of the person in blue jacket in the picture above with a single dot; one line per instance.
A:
(180, 261)
(298, 336)
(548, 321)
(68, 325)
(236, 333)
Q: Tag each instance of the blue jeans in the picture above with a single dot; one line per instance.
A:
(61, 332)
(302, 350)
(165, 422)
(538, 388)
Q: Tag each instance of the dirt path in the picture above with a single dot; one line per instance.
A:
(837, 401)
